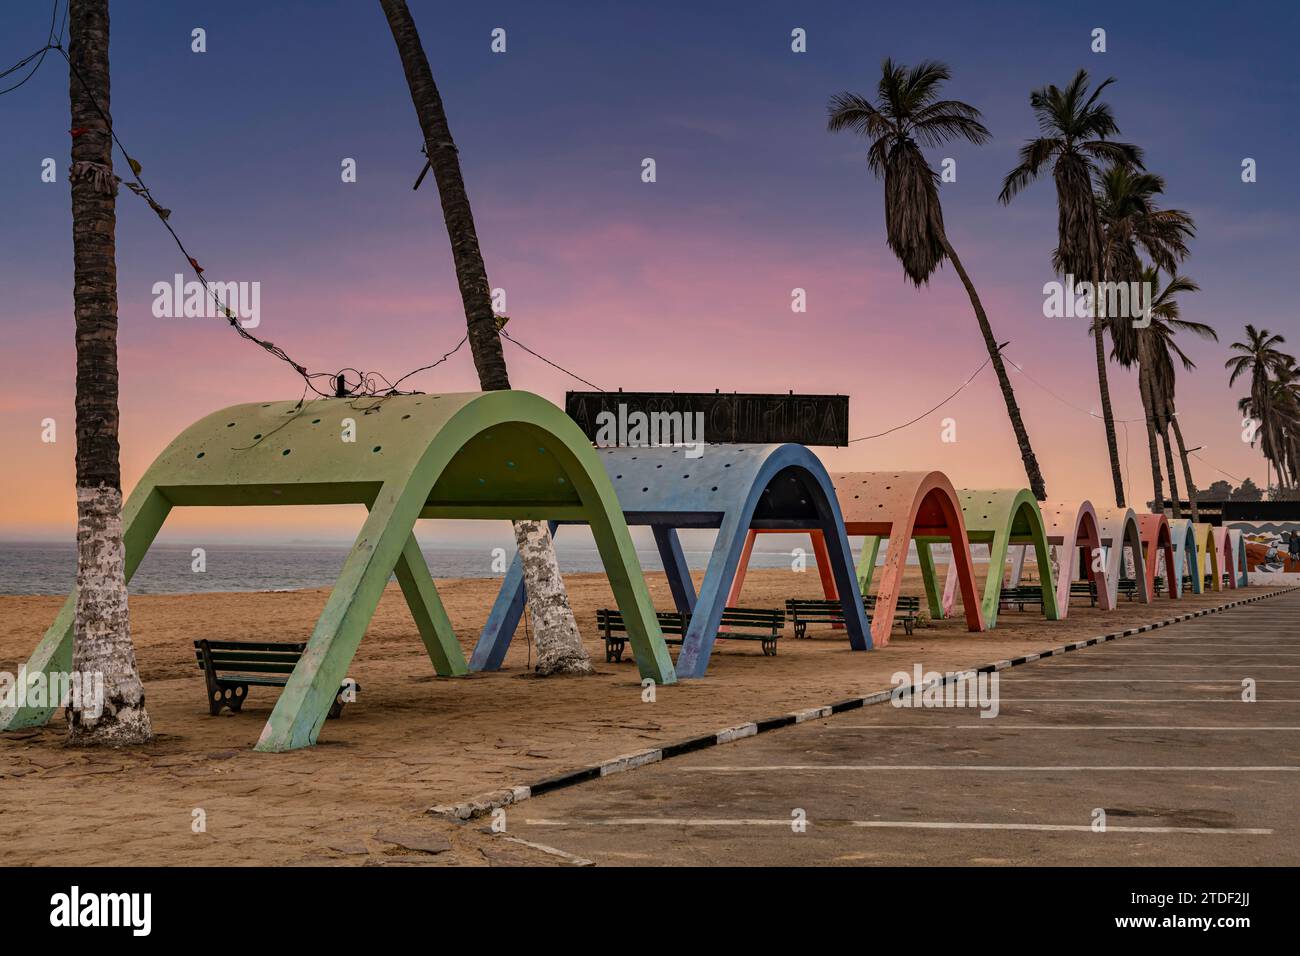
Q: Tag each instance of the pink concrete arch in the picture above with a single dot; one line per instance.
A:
(1227, 560)
(902, 506)
(1071, 527)
(1119, 529)
(1155, 534)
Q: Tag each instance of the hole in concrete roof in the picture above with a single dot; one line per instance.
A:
(405, 417)
(231, 425)
(199, 455)
(315, 421)
(645, 489)
(286, 451)
(618, 476)
(727, 465)
(377, 448)
(257, 437)
(267, 405)
(658, 466)
(686, 476)
(714, 488)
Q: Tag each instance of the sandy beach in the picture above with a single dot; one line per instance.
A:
(414, 740)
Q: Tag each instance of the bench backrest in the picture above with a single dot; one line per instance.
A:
(670, 622)
(252, 657)
(753, 617)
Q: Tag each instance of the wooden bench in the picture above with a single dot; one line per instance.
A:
(231, 667)
(1128, 587)
(738, 624)
(1021, 595)
(610, 621)
(906, 611)
(1086, 589)
(805, 612)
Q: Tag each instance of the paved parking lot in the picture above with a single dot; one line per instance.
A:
(1150, 730)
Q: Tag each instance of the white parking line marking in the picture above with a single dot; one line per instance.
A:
(982, 768)
(885, 824)
(999, 725)
(1054, 827)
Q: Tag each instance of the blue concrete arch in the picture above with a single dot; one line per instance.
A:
(728, 487)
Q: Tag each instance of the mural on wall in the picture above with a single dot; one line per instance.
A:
(1272, 547)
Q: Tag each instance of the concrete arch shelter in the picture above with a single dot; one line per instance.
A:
(1001, 518)
(905, 506)
(733, 488)
(495, 455)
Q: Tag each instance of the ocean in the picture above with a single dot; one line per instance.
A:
(50, 568)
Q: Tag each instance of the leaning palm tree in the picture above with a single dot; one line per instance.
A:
(907, 115)
(559, 646)
(1162, 349)
(1165, 376)
(1075, 128)
(1130, 219)
(102, 629)
(1259, 357)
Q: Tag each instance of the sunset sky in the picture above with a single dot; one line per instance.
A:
(683, 284)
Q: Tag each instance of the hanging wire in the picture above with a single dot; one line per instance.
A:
(931, 411)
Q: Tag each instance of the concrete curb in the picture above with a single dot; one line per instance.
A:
(487, 802)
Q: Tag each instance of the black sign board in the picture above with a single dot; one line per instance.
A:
(728, 418)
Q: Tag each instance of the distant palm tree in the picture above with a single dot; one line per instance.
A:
(102, 628)
(1261, 358)
(906, 116)
(1075, 128)
(559, 645)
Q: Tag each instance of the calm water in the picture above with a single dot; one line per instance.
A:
(37, 568)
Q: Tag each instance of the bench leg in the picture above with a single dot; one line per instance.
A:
(226, 695)
(769, 647)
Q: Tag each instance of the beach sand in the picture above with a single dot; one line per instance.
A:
(414, 740)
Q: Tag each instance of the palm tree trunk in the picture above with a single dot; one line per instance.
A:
(102, 631)
(1165, 420)
(559, 645)
(1032, 472)
(1187, 468)
(1148, 401)
(1107, 416)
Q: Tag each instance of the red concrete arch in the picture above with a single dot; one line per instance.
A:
(1156, 537)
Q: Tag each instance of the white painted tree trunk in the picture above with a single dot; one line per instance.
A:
(559, 646)
(102, 648)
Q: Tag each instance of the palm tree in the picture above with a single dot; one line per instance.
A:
(102, 629)
(559, 646)
(907, 115)
(1129, 218)
(1162, 350)
(1075, 127)
(1261, 358)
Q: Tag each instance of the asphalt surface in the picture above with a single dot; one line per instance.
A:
(1150, 730)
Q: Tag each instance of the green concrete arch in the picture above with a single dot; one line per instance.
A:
(1000, 518)
(496, 455)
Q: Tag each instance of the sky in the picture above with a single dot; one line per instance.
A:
(681, 284)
